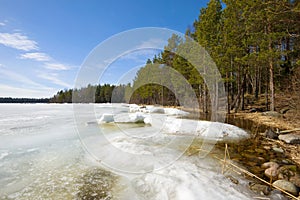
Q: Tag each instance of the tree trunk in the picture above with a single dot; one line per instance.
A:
(271, 71)
(272, 96)
(228, 93)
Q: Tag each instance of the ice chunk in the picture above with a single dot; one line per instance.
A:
(157, 110)
(134, 108)
(148, 120)
(136, 117)
(204, 129)
(175, 111)
(106, 118)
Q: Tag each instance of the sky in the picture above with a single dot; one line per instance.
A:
(44, 44)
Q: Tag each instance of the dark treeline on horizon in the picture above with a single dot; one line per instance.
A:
(23, 100)
(92, 94)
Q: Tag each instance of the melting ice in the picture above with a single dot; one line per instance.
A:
(46, 154)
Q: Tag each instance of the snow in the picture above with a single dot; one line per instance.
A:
(106, 118)
(175, 111)
(204, 129)
(38, 162)
(155, 109)
(136, 117)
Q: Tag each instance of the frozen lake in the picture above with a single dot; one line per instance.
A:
(50, 151)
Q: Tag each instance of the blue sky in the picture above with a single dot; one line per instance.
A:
(43, 43)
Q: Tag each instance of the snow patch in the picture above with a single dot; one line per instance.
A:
(204, 129)
(106, 118)
(175, 111)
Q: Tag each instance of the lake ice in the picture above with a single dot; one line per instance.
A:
(51, 151)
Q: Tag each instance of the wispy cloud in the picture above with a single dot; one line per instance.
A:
(2, 24)
(18, 41)
(19, 92)
(18, 78)
(53, 77)
(57, 66)
(38, 56)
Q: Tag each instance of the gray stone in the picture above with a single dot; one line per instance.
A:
(290, 138)
(278, 150)
(277, 195)
(287, 186)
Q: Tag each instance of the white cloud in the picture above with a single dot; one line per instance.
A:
(26, 87)
(15, 77)
(54, 79)
(2, 24)
(18, 41)
(38, 56)
(57, 66)
(18, 92)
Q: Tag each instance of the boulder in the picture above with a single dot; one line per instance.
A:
(272, 170)
(287, 186)
(290, 138)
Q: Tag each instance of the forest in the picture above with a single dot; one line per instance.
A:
(254, 44)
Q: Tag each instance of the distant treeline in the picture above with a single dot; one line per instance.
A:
(93, 94)
(23, 100)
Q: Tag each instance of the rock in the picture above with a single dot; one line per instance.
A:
(272, 173)
(253, 110)
(270, 165)
(286, 186)
(277, 195)
(278, 150)
(271, 134)
(287, 162)
(272, 114)
(267, 147)
(259, 188)
(295, 180)
(290, 138)
(272, 170)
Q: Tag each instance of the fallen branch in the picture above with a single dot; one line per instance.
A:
(288, 131)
